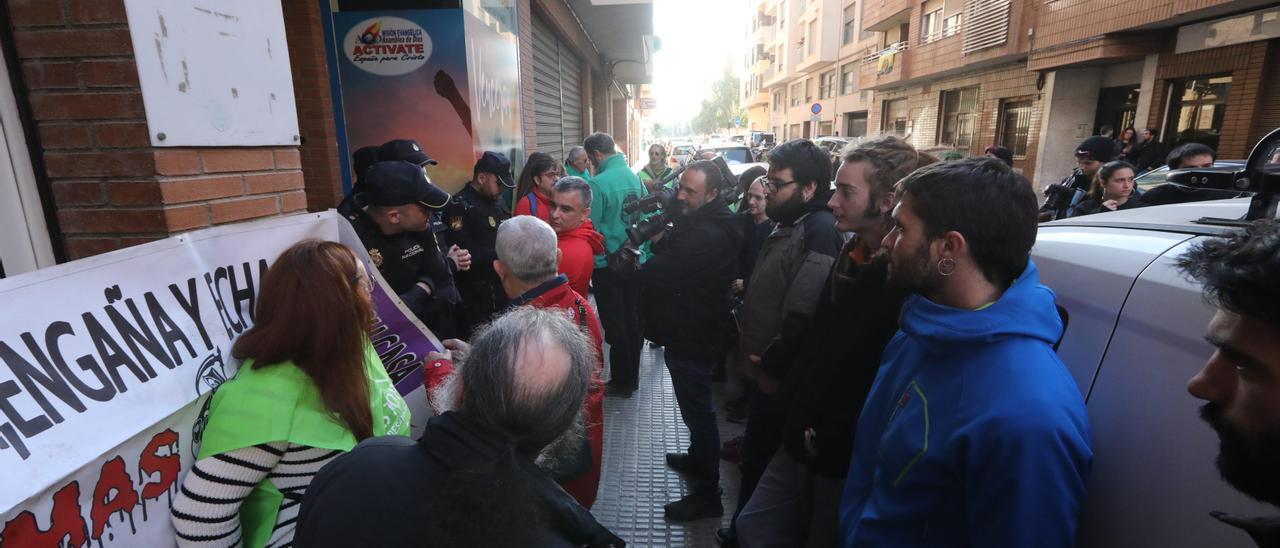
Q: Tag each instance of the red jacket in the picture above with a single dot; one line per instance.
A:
(534, 204)
(556, 293)
(578, 248)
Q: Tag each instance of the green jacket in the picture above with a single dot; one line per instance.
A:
(569, 171)
(614, 181)
(281, 403)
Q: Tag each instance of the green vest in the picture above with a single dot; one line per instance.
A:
(281, 403)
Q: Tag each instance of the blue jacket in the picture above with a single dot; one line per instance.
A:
(974, 433)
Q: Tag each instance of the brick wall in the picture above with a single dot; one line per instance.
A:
(1245, 64)
(996, 85)
(1066, 21)
(111, 188)
(309, 64)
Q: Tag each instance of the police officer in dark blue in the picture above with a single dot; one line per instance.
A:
(472, 218)
(391, 213)
(457, 258)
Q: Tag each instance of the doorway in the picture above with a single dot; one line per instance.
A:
(1117, 107)
(26, 245)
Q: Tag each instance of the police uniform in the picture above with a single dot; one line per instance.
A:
(471, 222)
(405, 260)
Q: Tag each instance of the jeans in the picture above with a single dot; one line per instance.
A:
(618, 303)
(691, 379)
(791, 507)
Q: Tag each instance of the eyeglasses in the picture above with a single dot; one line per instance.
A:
(772, 185)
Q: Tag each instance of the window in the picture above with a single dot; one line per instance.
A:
(848, 78)
(808, 90)
(1015, 126)
(894, 117)
(1197, 111)
(795, 94)
(931, 26)
(850, 30)
(957, 110)
(855, 124)
(777, 101)
(951, 25)
(827, 85)
(811, 38)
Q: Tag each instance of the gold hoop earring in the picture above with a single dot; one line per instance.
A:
(947, 266)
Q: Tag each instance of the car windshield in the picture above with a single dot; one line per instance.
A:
(682, 150)
(734, 155)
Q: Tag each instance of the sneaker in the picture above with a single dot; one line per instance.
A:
(732, 450)
(680, 462)
(693, 507)
(726, 537)
(734, 405)
(618, 390)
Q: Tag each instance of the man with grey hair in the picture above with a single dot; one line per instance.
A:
(471, 478)
(578, 240)
(526, 266)
(577, 163)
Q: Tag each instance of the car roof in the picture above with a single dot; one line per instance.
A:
(1186, 218)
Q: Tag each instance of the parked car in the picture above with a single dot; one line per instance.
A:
(680, 152)
(1134, 337)
(733, 153)
(1157, 176)
(832, 145)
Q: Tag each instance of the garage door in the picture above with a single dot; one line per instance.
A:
(557, 93)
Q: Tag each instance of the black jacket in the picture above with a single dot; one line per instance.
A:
(754, 235)
(1148, 156)
(1089, 206)
(393, 491)
(827, 380)
(685, 293)
(404, 259)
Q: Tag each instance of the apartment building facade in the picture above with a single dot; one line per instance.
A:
(802, 69)
(1036, 76)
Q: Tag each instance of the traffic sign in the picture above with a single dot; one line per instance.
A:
(815, 108)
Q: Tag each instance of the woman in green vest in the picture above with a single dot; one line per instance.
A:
(309, 388)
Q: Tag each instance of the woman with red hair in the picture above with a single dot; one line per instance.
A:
(310, 387)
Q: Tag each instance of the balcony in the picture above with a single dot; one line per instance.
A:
(884, 67)
(882, 15)
(758, 99)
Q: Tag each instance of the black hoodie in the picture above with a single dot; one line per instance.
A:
(685, 293)
(458, 479)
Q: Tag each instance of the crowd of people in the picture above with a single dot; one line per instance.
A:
(882, 316)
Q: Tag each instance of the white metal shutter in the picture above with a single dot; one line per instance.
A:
(571, 97)
(547, 109)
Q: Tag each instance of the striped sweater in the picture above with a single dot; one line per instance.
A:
(206, 511)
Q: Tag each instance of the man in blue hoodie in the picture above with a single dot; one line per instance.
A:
(974, 433)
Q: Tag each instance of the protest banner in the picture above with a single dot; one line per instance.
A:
(107, 364)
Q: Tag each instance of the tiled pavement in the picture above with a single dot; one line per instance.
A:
(635, 481)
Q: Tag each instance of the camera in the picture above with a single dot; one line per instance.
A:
(656, 207)
(1261, 176)
(1059, 197)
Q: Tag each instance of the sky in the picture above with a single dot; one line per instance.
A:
(698, 38)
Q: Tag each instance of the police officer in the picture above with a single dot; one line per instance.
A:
(457, 258)
(391, 215)
(472, 218)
